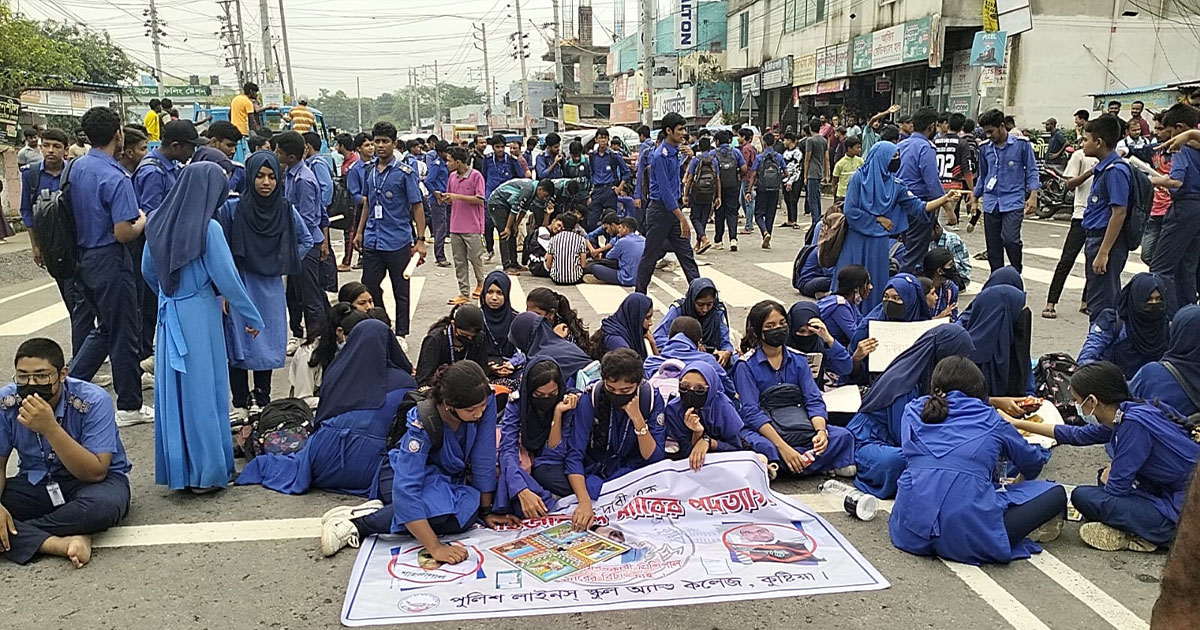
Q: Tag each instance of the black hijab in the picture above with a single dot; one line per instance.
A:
(262, 235)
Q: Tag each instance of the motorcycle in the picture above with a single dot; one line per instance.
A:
(1054, 198)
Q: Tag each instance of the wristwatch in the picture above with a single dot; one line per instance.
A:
(419, 239)
(642, 431)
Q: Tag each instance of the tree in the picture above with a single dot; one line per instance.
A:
(341, 111)
(102, 61)
(28, 58)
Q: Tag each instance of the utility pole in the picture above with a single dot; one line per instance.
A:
(437, 98)
(524, 75)
(647, 45)
(155, 32)
(287, 53)
(243, 54)
(231, 36)
(481, 44)
(358, 95)
(265, 17)
(559, 79)
(413, 107)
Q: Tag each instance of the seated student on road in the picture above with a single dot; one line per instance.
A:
(455, 337)
(619, 421)
(809, 336)
(814, 279)
(943, 275)
(313, 358)
(361, 391)
(566, 254)
(702, 418)
(1137, 502)
(620, 262)
(533, 336)
(1000, 325)
(629, 327)
(702, 302)
(947, 503)
(534, 434)
(432, 487)
(498, 315)
(1136, 332)
(1179, 384)
(557, 311)
(876, 426)
(74, 477)
(782, 407)
(357, 295)
(841, 310)
(903, 301)
(687, 346)
(607, 229)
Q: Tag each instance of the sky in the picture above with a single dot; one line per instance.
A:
(333, 42)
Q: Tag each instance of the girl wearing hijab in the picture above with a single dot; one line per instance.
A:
(1134, 334)
(876, 426)
(453, 338)
(1175, 379)
(939, 268)
(701, 419)
(362, 390)
(618, 421)
(877, 206)
(773, 363)
(947, 504)
(810, 336)
(629, 327)
(842, 310)
(703, 303)
(1137, 502)
(313, 358)
(187, 261)
(999, 325)
(563, 319)
(537, 427)
(426, 490)
(261, 227)
(903, 301)
(532, 335)
(498, 316)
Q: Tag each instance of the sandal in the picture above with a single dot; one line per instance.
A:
(457, 300)
(1048, 313)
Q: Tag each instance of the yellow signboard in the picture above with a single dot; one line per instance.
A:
(571, 114)
(991, 19)
(645, 100)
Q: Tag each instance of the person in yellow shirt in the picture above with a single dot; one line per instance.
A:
(301, 116)
(846, 166)
(150, 122)
(243, 106)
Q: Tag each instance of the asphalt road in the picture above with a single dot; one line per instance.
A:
(208, 576)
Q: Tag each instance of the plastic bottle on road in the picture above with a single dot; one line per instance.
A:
(856, 502)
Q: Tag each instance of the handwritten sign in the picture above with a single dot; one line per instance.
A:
(896, 337)
(845, 399)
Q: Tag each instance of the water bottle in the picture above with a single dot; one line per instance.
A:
(1002, 474)
(856, 503)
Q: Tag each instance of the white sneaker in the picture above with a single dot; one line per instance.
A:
(130, 418)
(238, 416)
(718, 246)
(102, 380)
(351, 512)
(147, 380)
(489, 256)
(293, 343)
(336, 534)
(147, 364)
(733, 245)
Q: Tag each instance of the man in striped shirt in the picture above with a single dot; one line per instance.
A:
(567, 252)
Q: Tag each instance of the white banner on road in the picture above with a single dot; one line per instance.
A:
(667, 537)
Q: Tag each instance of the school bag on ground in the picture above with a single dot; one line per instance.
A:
(770, 176)
(1191, 424)
(704, 189)
(282, 428)
(728, 166)
(1052, 376)
(54, 226)
(831, 237)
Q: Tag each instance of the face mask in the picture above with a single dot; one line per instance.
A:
(894, 311)
(46, 392)
(776, 337)
(894, 165)
(341, 344)
(1156, 310)
(618, 400)
(1087, 418)
(692, 400)
(951, 273)
(543, 405)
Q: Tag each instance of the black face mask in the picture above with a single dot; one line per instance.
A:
(894, 311)
(46, 392)
(692, 400)
(894, 165)
(1157, 310)
(776, 337)
(618, 401)
(544, 405)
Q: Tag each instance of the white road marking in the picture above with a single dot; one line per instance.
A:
(213, 532)
(26, 325)
(666, 287)
(17, 296)
(1045, 277)
(1003, 602)
(1109, 609)
(1132, 266)
(516, 295)
(778, 268)
(603, 298)
(415, 286)
(734, 292)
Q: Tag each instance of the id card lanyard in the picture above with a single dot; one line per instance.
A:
(52, 487)
(378, 210)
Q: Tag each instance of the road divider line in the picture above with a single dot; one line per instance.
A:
(1001, 601)
(1109, 609)
(22, 294)
(211, 532)
(516, 294)
(30, 323)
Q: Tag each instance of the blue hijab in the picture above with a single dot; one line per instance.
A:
(1184, 349)
(532, 335)
(878, 189)
(262, 234)
(717, 415)
(626, 323)
(177, 232)
(969, 419)
(496, 322)
(1007, 275)
(710, 324)
(992, 329)
(535, 427)
(916, 309)
(798, 317)
(1148, 333)
(214, 155)
(912, 369)
(362, 373)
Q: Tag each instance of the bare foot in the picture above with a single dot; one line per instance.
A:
(79, 550)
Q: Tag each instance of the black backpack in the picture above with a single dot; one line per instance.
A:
(1137, 212)
(426, 413)
(1051, 376)
(704, 188)
(340, 212)
(54, 228)
(727, 164)
(282, 428)
(770, 176)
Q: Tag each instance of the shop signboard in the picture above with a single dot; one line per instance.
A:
(777, 73)
(9, 109)
(902, 43)
(988, 49)
(804, 69)
(860, 53)
(681, 101)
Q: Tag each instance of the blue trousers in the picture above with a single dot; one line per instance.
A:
(1177, 252)
(812, 199)
(747, 206)
(605, 271)
(1101, 291)
(765, 208)
(147, 300)
(838, 454)
(376, 264)
(817, 285)
(305, 295)
(879, 469)
(106, 278)
(90, 508)
(916, 244)
(1133, 514)
(83, 320)
(1150, 234)
(663, 235)
(1002, 233)
(380, 521)
(701, 212)
(1021, 520)
(439, 220)
(603, 198)
(727, 214)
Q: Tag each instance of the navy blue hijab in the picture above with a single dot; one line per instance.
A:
(262, 234)
(496, 322)
(913, 368)
(177, 233)
(916, 309)
(361, 374)
(997, 310)
(1184, 349)
(535, 426)
(798, 317)
(1148, 333)
(710, 324)
(533, 336)
(626, 323)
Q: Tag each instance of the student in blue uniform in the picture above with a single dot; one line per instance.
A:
(1135, 332)
(608, 170)
(428, 489)
(1006, 188)
(629, 327)
(814, 279)
(665, 227)
(305, 290)
(1175, 379)
(267, 239)
(1105, 249)
(918, 171)
(73, 480)
(1176, 253)
(842, 310)
(356, 179)
(436, 178)
(1004, 276)
(947, 503)
(876, 426)
(1137, 500)
(766, 189)
(498, 316)
(187, 262)
(1000, 326)
(903, 301)
(782, 437)
(360, 393)
(537, 426)
(809, 335)
(619, 421)
(321, 169)
(943, 276)
(702, 418)
(621, 256)
(702, 302)
(686, 345)
(533, 336)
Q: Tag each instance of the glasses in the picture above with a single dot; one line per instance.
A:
(38, 378)
(693, 390)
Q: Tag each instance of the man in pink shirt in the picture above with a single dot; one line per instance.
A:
(464, 193)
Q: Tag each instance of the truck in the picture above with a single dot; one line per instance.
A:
(272, 118)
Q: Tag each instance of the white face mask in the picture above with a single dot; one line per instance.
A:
(1088, 418)
(341, 344)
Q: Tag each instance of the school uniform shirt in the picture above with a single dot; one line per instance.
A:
(466, 218)
(543, 167)
(718, 416)
(1110, 187)
(625, 207)
(153, 179)
(321, 170)
(754, 375)
(101, 196)
(608, 168)
(34, 180)
(640, 188)
(664, 176)
(812, 269)
(1185, 167)
(450, 481)
(436, 176)
(498, 169)
(627, 251)
(356, 177)
(840, 316)
(390, 198)
(695, 163)
(513, 477)
(1006, 175)
(620, 453)
(303, 191)
(566, 246)
(84, 411)
(681, 348)
(918, 168)
(1154, 382)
